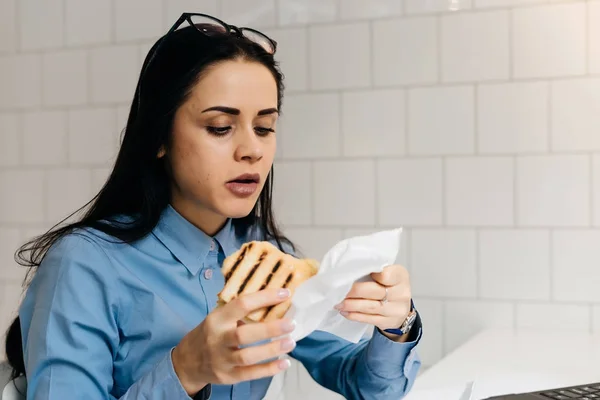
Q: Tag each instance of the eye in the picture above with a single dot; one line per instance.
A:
(218, 130)
(263, 131)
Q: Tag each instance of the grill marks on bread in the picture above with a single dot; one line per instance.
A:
(260, 265)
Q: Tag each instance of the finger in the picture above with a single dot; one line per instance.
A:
(376, 320)
(367, 290)
(247, 334)
(372, 307)
(237, 309)
(391, 275)
(261, 370)
(255, 354)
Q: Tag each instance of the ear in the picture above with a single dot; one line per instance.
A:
(161, 152)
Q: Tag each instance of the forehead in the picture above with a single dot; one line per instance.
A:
(248, 86)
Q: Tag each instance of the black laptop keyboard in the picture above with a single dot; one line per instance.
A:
(584, 392)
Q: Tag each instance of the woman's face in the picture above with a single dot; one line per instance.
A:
(223, 143)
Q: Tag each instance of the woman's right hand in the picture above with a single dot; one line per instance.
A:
(211, 352)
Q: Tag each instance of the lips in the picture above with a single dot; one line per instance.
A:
(244, 185)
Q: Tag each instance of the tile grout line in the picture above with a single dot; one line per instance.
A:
(551, 263)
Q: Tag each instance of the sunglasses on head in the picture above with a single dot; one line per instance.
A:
(208, 25)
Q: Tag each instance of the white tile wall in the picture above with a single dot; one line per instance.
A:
(45, 138)
(441, 120)
(475, 46)
(472, 123)
(476, 186)
(564, 317)
(8, 25)
(411, 57)
(410, 192)
(594, 36)
(88, 22)
(513, 117)
(553, 190)
(549, 41)
(576, 115)
(374, 123)
(339, 56)
(507, 254)
(10, 137)
(65, 78)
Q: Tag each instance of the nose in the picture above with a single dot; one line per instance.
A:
(248, 146)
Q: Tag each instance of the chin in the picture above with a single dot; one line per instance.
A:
(238, 208)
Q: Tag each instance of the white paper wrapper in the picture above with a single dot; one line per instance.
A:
(351, 260)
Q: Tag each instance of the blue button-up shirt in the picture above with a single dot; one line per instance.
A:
(100, 320)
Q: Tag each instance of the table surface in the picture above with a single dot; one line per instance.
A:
(502, 361)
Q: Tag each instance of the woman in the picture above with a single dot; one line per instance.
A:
(122, 304)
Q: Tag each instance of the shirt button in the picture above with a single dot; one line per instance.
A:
(213, 246)
(208, 274)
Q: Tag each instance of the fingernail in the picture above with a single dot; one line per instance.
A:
(338, 306)
(288, 344)
(288, 326)
(284, 293)
(284, 364)
(344, 313)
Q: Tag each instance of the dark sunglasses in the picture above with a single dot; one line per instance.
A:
(208, 25)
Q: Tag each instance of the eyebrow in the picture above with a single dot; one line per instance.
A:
(235, 111)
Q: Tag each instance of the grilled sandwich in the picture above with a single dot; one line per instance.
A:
(260, 265)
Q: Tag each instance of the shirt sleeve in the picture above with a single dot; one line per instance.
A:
(378, 368)
(69, 322)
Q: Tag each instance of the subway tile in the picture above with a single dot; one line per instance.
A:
(113, 82)
(138, 19)
(564, 317)
(474, 318)
(45, 138)
(65, 78)
(68, 190)
(313, 242)
(475, 187)
(89, 22)
(594, 36)
(41, 24)
(431, 346)
(21, 81)
(360, 9)
(22, 199)
(292, 193)
(507, 254)
(549, 40)
(92, 136)
(410, 192)
(434, 6)
(292, 50)
(596, 189)
(576, 256)
(411, 57)
(339, 56)
(576, 115)
(251, 13)
(10, 151)
(441, 121)
(310, 126)
(373, 123)
(513, 117)
(450, 270)
(8, 26)
(99, 178)
(294, 12)
(475, 47)
(505, 3)
(553, 191)
(337, 181)
(10, 241)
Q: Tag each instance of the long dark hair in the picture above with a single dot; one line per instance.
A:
(139, 184)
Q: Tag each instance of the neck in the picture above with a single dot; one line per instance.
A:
(206, 220)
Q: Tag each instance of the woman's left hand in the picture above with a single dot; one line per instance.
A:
(364, 301)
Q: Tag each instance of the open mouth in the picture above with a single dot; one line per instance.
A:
(246, 179)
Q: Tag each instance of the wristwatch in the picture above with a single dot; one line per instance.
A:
(407, 324)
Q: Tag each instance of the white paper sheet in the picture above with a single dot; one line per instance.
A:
(349, 261)
(455, 392)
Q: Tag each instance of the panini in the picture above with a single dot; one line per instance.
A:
(260, 265)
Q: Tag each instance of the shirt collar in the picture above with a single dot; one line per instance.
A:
(188, 243)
